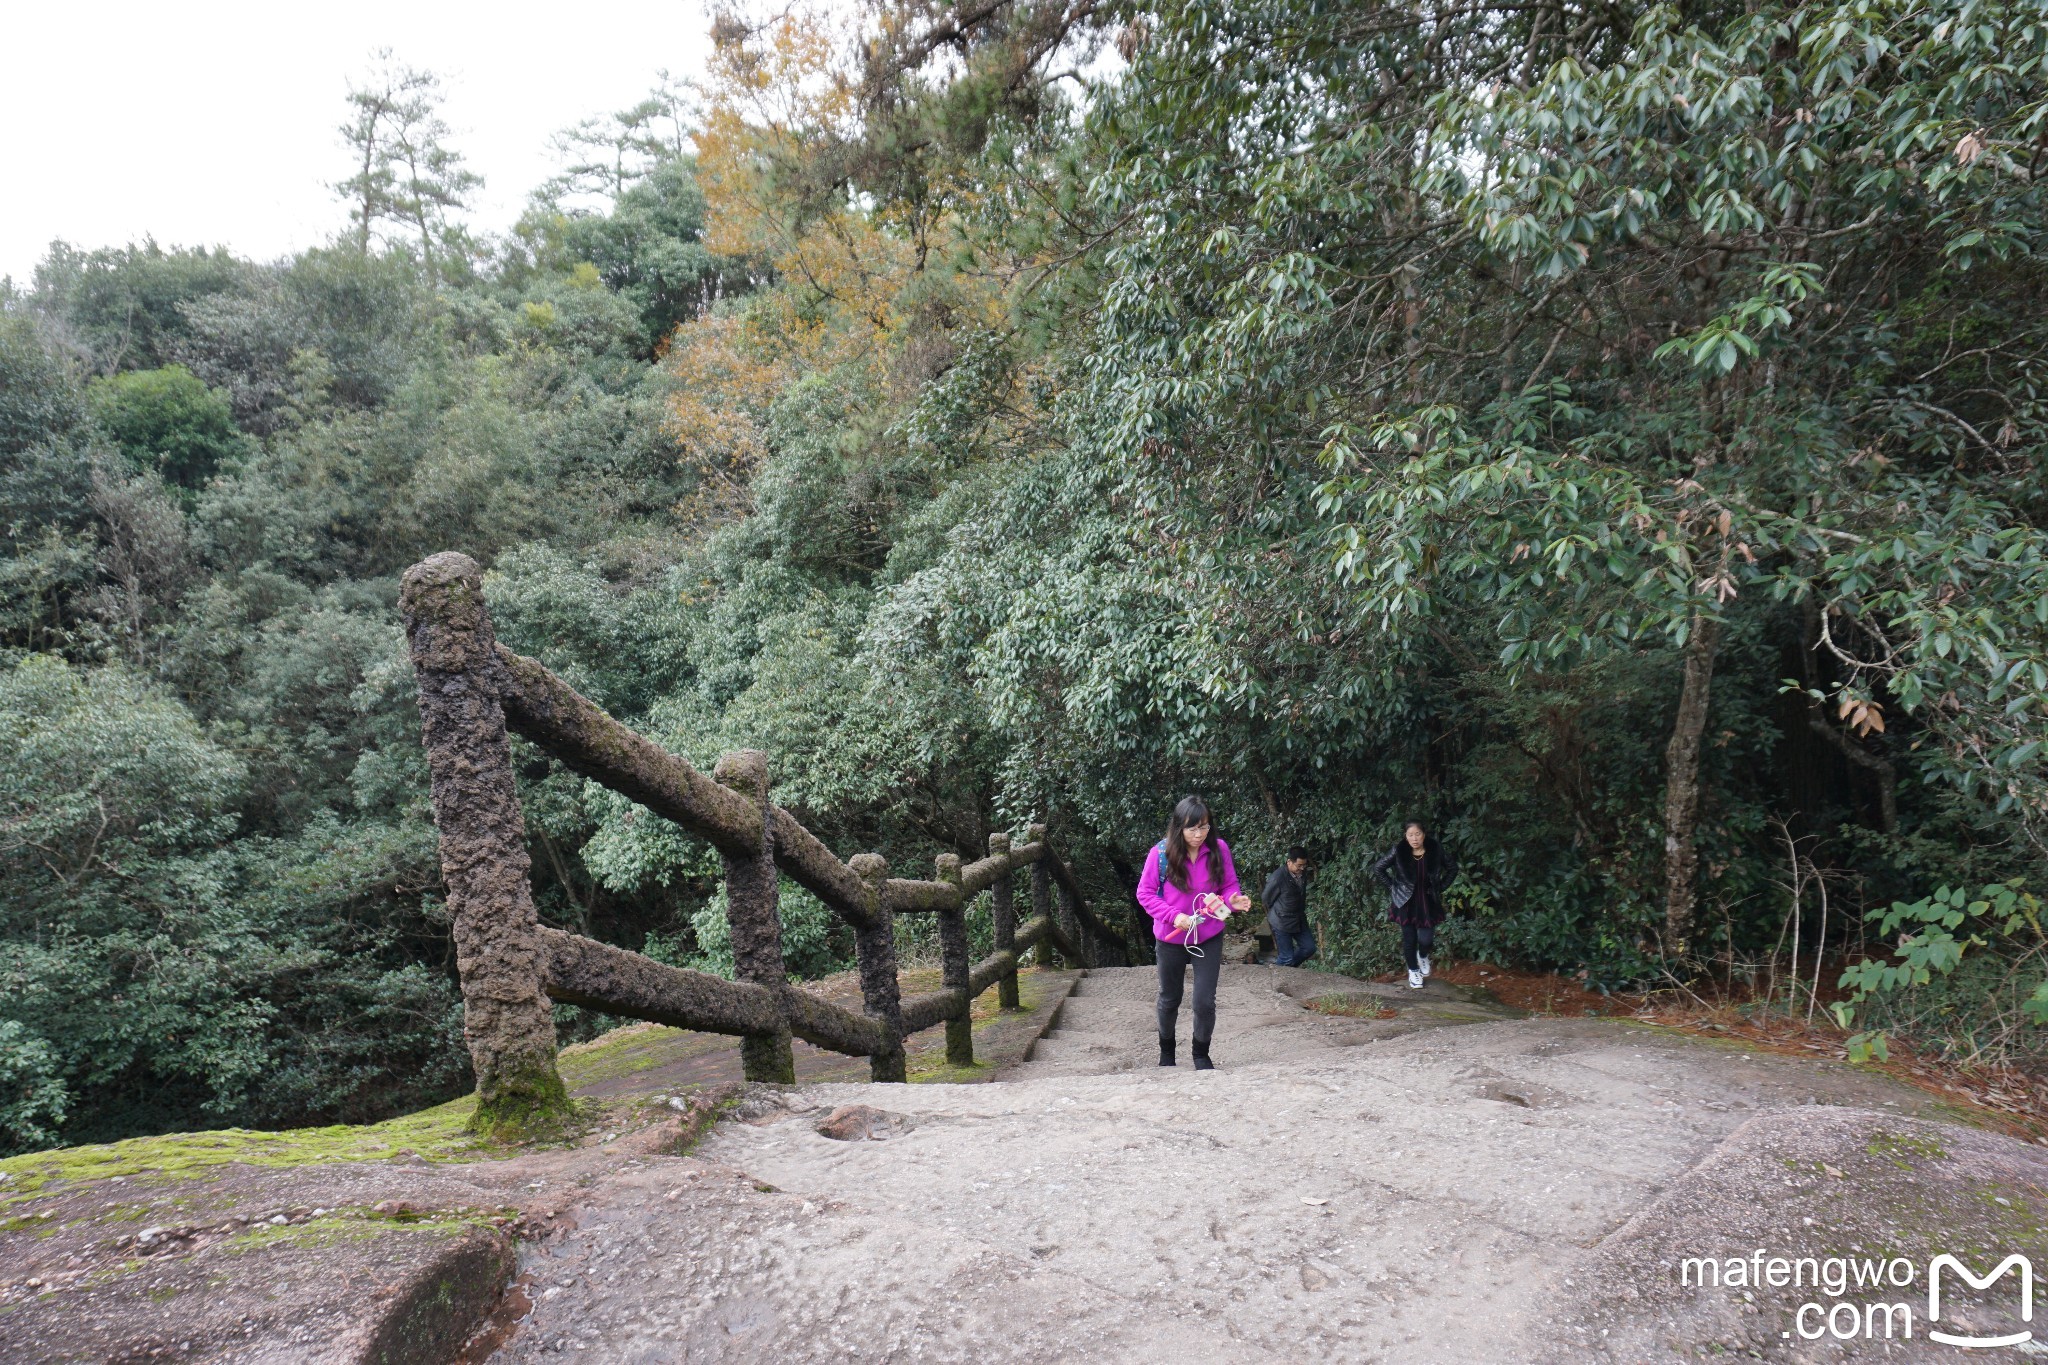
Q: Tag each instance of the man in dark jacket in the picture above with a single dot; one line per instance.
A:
(1286, 898)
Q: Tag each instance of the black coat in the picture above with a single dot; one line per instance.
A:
(1397, 870)
(1286, 902)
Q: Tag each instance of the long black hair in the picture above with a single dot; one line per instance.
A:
(1192, 810)
(1432, 851)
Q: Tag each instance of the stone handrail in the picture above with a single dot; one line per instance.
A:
(474, 692)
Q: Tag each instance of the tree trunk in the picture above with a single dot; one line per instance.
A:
(1682, 783)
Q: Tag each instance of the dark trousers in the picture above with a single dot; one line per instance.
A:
(1174, 960)
(1292, 949)
(1416, 941)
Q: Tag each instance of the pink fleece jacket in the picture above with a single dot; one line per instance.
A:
(1163, 900)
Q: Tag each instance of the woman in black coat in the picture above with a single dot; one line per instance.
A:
(1417, 870)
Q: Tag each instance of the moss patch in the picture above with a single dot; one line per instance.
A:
(1352, 1005)
(348, 1225)
(625, 1052)
(528, 1104)
(942, 1072)
(1902, 1150)
(438, 1134)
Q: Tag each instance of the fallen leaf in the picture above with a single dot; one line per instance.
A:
(1306, 1200)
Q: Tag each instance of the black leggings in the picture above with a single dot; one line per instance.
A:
(1416, 941)
(1174, 960)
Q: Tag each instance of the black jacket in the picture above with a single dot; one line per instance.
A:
(1286, 902)
(1397, 870)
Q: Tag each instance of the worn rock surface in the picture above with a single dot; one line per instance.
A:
(358, 1261)
(387, 1244)
(1452, 1185)
(1841, 1196)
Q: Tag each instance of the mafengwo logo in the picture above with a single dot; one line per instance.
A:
(2017, 1262)
(1856, 1292)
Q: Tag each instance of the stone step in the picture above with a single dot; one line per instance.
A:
(1112, 1038)
(1054, 1058)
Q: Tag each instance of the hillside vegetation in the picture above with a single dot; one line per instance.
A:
(1614, 437)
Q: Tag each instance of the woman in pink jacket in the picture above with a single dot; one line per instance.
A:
(1188, 886)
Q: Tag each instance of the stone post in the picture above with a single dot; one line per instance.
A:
(752, 892)
(1077, 934)
(1003, 898)
(875, 947)
(508, 1020)
(953, 945)
(1041, 894)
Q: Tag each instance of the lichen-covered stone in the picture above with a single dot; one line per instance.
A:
(1003, 913)
(875, 949)
(751, 899)
(508, 1022)
(953, 949)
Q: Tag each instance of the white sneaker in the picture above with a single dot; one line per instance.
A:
(1425, 965)
(1414, 980)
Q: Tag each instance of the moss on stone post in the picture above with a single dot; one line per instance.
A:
(875, 947)
(508, 1021)
(1041, 894)
(953, 947)
(752, 897)
(1003, 898)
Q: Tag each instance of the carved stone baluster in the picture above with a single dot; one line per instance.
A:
(875, 946)
(508, 1021)
(1002, 895)
(752, 896)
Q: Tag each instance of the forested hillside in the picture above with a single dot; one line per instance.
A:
(1615, 438)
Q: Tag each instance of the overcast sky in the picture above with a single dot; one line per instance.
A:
(215, 123)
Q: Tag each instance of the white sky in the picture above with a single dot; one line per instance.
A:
(216, 123)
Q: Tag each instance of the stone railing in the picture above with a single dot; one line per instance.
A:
(473, 690)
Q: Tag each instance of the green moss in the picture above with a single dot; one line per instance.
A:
(629, 1050)
(941, 1072)
(438, 1134)
(348, 1225)
(1353, 1005)
(1900, 1149)
(691, 1137)
(523, 1104)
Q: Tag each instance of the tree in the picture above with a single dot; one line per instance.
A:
(406, 173)
(37, 399)
(169, 421)
(121, 308)
(1606, 326)
(609, 154)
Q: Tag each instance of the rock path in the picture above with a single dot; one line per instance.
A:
(1437, 1187)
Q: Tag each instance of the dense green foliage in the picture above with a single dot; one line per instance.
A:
(1613, 438)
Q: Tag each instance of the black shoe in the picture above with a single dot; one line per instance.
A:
(1202, 1062)
(1166, 1052)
